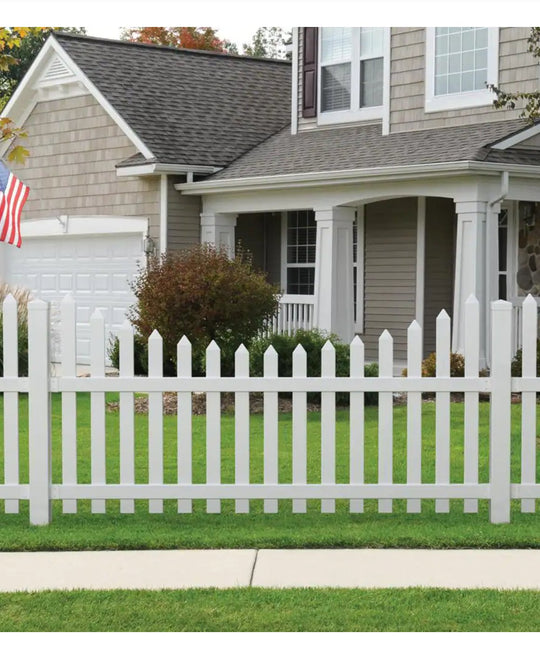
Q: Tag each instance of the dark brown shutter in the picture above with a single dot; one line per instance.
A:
(309, 73)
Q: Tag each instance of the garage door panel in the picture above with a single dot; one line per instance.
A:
(96, 269)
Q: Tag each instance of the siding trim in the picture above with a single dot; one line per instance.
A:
(420, 258)
(163, 203)
(294, 88)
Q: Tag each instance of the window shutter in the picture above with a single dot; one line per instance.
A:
(309, 73)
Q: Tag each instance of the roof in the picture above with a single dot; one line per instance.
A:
(363, 146)
(188, 107)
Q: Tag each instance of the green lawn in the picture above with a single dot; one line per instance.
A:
(199, 530)
(257, 610)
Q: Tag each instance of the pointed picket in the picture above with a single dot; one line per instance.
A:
(472, 355)
(528, 399)
(270, 401)
(127, 414)
(97, 408)
(356, 423)
(213, 426)
(385, 463)
(11, 399)
(328, 425)
(184, 422)
(69, 399)
(155, 419)
(442, 409)
(414, 413)
(299, 427)
(241, 427)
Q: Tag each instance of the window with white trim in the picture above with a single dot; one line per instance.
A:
(352, 73)
(460, 62)
(301, 245)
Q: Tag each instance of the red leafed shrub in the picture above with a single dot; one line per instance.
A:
(204, 295)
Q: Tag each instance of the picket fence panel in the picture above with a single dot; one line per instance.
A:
(40, 490)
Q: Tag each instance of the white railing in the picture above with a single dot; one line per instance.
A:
(41, 489)
(295, 313)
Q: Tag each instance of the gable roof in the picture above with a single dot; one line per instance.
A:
(189, 107)
(363, 146)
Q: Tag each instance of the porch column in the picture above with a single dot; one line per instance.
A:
(334, 271)
(218, 229)
(470, 270)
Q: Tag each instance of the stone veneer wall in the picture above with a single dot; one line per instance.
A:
(528, 274)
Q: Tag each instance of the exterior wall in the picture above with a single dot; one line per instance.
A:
(260, 234)
(389, 273)
(183, 217)
(518, 71)
(74, 146)
(439, 264)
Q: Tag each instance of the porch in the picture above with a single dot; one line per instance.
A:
(361, 268)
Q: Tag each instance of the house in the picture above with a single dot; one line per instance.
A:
(112, 127)
(398, 189)
(377, 186)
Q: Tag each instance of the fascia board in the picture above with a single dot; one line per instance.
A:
(517, 138)
(353, 176)
(160, 168)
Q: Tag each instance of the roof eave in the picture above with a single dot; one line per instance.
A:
(336, 177)
(145, 169)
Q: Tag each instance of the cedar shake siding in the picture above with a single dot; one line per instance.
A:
(518, 71)
(439, 264)
(74, 146)
(389, 273)
(183, 217)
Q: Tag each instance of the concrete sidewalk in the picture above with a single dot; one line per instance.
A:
(361, 568)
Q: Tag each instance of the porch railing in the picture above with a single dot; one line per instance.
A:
(295, 313)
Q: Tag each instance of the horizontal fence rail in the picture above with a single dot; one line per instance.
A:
(275, 463)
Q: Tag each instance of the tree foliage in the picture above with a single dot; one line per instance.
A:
(204, 295)
(269, 42)
(192, 38)
(531, 109)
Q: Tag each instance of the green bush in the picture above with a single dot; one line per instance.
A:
(312, 341)
(23, 297)
(517, 363)
(204, 295)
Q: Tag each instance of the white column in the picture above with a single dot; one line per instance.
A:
(470, 270)
(218, 229)
(492, 269)
(334, 271)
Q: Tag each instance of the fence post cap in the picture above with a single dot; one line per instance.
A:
(501, 305)
(385, 335)
(328, 346)
(213, 346)
(299, 349)
(97, 315)
(443, 315)
(414, 326)
(242, 349)
(155, 335)
(68, 298)
(471, 299)
(529, 300)
(38, 305)
(9, 299)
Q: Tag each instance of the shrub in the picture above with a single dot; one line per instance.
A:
(204, 295)
(517, 362)
(312, 341)
(22, 295)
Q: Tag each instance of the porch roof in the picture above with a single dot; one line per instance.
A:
(363, 146)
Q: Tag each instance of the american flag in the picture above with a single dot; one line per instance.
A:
(13, 195)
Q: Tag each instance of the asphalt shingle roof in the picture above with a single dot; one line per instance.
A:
(348, 148)
(189, 107)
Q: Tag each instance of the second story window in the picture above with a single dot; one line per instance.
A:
(460, 62)
(352, 73)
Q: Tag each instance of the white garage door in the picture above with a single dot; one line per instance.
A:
(95, 269)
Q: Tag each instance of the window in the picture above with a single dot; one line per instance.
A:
(353, 74)
(460, 61)
(301, 241)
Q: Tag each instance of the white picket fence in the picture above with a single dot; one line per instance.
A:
(40, 491)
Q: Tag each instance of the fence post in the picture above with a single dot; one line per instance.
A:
(500, 412)
(39, 413)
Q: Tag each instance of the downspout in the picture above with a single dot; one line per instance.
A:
(491, 253)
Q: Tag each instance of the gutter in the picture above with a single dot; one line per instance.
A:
(339, 177)
(165, 168)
